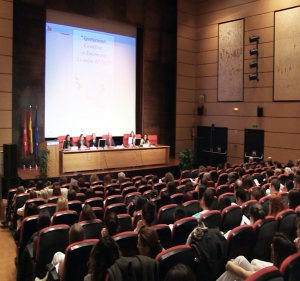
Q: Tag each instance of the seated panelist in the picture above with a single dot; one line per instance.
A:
(81, 142)
(131, 138)
(67, 143)
(109, 141)
(145, 141)
(93, 141)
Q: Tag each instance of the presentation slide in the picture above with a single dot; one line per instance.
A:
(90, 81)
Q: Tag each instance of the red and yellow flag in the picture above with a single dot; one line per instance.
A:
(30, 131)
(25, 145)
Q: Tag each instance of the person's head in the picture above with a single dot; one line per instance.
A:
(248, 182)
(188, 187)
(277, 172)
(90, 193)
(257, 193)
(31, 210)
(148, 213)
(241, 172)
(145, 137)
(139, 202)
(81, 182)
(226, 202)
(62, 204)
(270, 161)
(153, 193)
(201, 190)
(165, 198)
(238, 184)
(180, 272)
(20, 189)
(171, 187)
(148, 242)
(227, 165)
(68, 138)
(93, 136)
(297, 181)
(32, 194)
(269, 173)
(112, 223)
(44, 220)
(206, 176)
(75, 187)
(56, 189)
(62, 180)
(143, 181)
(107, 180)
(132, 134)
(81, 137)
(294, 198)
(207, 199)
(220, 167)
(103, 255)
(31, 183)
(256, 212)
(121, 177)
(287, 170)
(79, 176)
(87, 213)
(274, 185)
(109, 135)
(155, 180)
(179, 213)
(240, 196)
(93, 178)
(282, 247)
(187, 197)
(276, 204)
(169, 177)
(289, 185)
(277, 164)
(231, 178)
(76, 233)
(39, 185)
(71, 195)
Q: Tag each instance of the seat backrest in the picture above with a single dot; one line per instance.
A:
(191, 207)
(94, 202)
(98, 211)
(231, 217)
(130, 197)
(165, 214)
(270, 273)
(118, 208)
(236, 242)
(76, 206)
(159, 186)
(186, 174)
(264, 231)
(144, 188)
(136, 217)
(290, 268)
(29, 227)
(60, 141)
(54, 199)
(125, 222)
(164, 234)
(182, 229)
(98, 187)
(126, 184)
(113, 199)
(75, 266)
(68, 217)
(10, 195)
(229, 195)
(20, 200)
(50, 207)
(135, 178)
(81, 197)
(222, 179)
(176, 198)
(36, 201)
(51, 239)
(286, 222)
(211, 219)
(264, 201)
(245, 207)
(92, 228)
(172, 256)
(221, 189)
(127, 242)
(97, 182)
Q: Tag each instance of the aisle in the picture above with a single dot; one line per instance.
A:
(8, 271)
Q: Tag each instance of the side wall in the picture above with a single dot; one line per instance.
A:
(6, 42)
(280, 120)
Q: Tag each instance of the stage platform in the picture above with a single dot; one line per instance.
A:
(33, 174)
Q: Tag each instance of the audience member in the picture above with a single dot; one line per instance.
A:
(62, 204)
(276, 204)
(121, 178)
(274, 186)
(87, 213)
(289, 185)
(75, 187)
(180, 272)
(111, 225)
(20, 211)
(297, 181)
(155, 180)
(107, 180)
(240, 196)
(257, 193)
(168, 177)
(148, 216)
(62, 180)
(72, 195)
(171, 188)
(226, 202)
(153, 193)
(56, 189)
(294, 198)
(205, 202)
(93, 178)
(297, 240)
(248, 182)
(165, 198)
(256, 213)
(90, 193)
(148, 242)
(140, 201)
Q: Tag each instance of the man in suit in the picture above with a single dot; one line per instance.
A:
(93, 141)
(109, 141)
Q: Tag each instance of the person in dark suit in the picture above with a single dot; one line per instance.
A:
(93, 141)
(81, 142)
(67, 142)
(109, 141)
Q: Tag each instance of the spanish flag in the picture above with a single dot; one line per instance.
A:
(25, 145)
(30, 131)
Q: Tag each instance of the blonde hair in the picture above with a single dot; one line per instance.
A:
(62, 204)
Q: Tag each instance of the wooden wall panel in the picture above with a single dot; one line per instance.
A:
(6, 64)
(6, 136)
(186, 44)
(5, 82)
(210, 95)
(207, 57)
(6, 119)
(207, 44)
(184, 69)
(264, 65)
(186, 57)
(186, 19)
(207, 32)
(206, 82)
(186, 31)
(6, 28)
(184, 82)
(259, 21)
(6, 46)
(184, 120)
(185, 95)
(6, 9)
(5, 101)
(185, 108)
(264, 50)
(203, 70)
(265, 80)
(282, 155)
(183, 134)
(236, 136)
(288, 141)
(187, 7)
(266, 35)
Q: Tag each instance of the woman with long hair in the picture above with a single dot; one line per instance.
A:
(148, 242)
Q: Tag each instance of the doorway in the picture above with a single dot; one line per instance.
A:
(254, 145)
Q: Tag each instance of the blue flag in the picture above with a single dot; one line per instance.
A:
(36, 135)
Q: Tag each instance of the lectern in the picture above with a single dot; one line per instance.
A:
(53, 164)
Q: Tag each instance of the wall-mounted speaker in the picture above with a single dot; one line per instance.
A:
(260, 111)
(200, 110)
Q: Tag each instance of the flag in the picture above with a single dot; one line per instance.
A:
(25, 134)
(30, 131)
(36, 135)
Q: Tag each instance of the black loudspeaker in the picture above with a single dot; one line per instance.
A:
(260, 111)
(8, 183)
(200, 110)
(10, 160)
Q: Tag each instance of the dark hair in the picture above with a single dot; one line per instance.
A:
(201, 191)
(148, 213)
(43, 220)
(62, 180)
(72, 195)
(294, 198)
(297, 178)
(290, 164)
(269, 172)
(87, 213)
(90, 193)
(256, 211)
(31, 183)
(188, 187)
(79, 176)
(298, 223)
(153, 193)
(139, 202)
(103, 255)
(226, 202)
(208, 197)
(220, 166)
(81, 182)
(171, 187)
(143, 181)
(165, 198)
(276, 184)
(107, 180)
(112, 223)
(39, 185)
(242, 172)
(232, 177)
(31, 210)
(241, 193)
(20, 189)
(227, 165)
(155, 180)
(56, 189)
(289, 184)
(179, 213)
(187, 197)
(257, 193)
(75, 187)
(168, 177)
(282, 247)
(76, 233)
(248, 182)
(32, 194)
(148, 237)
(180, 272)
